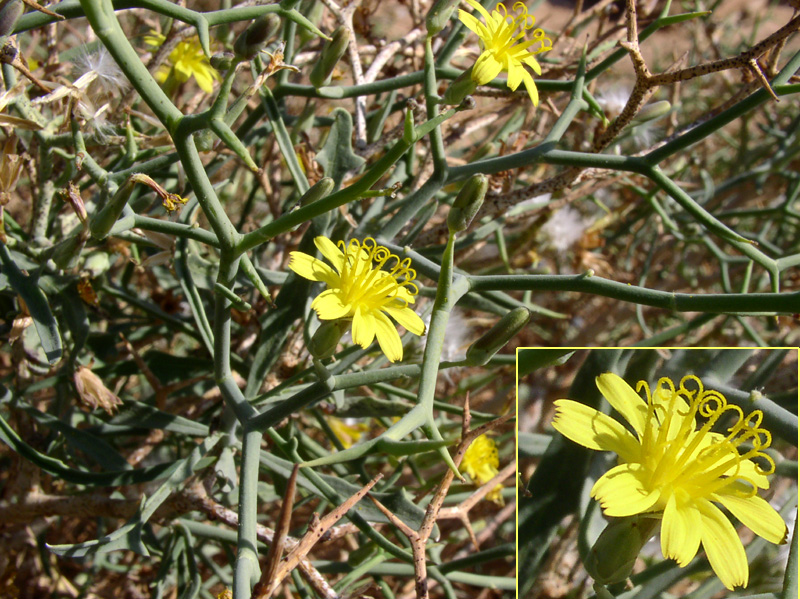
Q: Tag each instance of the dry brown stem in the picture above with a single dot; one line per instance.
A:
(419, 538)
(277, 569)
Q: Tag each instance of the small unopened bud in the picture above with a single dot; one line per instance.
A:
(325, 339)
(101, 222)
(316, 192)
(222, 61)
(66, 252)
(312, 10)
(254, 38)
(409, 129)
(11, 11)
(331, 52)
(319, 190)
(460, 88)
(439, 15)
(652, 111)
(480, 352)
(205, 140)
(614, 554)
(467, 203)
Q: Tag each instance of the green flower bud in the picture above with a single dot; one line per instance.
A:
(254, 38)
(614, 554)
(409, 129)
(651, 112)
(480, 352)
(439, 15)
(467, 203)
(222, 61)
(65, 253)
(311, 10)
(102, 222)
(319, 190)
(205, 140)
(460, 88)
(325, 339)
(331, 52)
(9, 13)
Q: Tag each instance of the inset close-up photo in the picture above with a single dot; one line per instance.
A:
(655, 473)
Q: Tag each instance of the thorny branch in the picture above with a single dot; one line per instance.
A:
(645, 86)
(419, 538)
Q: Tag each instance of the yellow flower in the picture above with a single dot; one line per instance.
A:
(501, 52)
(481, 463)
(674, 470)
(187, 59)
(347, 431)
(358, 289)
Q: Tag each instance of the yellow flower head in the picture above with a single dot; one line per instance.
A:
(187, 59)
(676, 467)
(348, 432)
(359, 289)
(481, 463)
(501, 52)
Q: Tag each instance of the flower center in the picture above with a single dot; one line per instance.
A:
(363, 280)
(502, 32)
(682, 458)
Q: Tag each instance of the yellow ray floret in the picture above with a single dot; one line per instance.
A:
(504, 47)
(481, 462)
(674, 466)
(360, 290)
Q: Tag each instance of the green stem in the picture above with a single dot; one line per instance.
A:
(247, 570)
(719, 303)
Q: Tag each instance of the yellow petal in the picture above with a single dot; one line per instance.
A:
(680, 531)
(533, 92)
(406, 318)
(624, 400)
(515, 74)
(312, 269)
(329, 306)
(533, 63)
(621, 491)
(162, 74)
(328, 249)
(204, 78)
(471, 23)
(486, 68)
(723, 546)
(479, 8)
(593, 429)
(388, 337)
(755, 513)
(363, 327)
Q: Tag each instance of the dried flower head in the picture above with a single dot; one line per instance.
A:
(102, 69)
(93, 392)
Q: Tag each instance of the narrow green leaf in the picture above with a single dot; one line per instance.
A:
(36, 300)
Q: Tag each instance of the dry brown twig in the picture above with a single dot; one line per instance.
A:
(419, 538)
(277, 569)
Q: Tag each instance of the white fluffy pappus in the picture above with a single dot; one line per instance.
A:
(565, 227)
